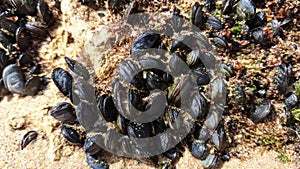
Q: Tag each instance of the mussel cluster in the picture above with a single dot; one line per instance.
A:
(19, 34)
(153, 78)
(174, 82)
(238, 23)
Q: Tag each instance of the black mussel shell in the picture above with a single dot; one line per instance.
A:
(151, 62)
(6, 39)
(257, 35)
(219, 138)
(177, 65)
(8, 25)
(139, 130)
(291, 99)
(240, 95)
(33, 85)
(83, 91)
(193, 59)
(154, 81)
(210, 5)
(64, 112)
(91, 147)
(210, 162)
(183, 43)
(96, 162)
(225, 156)
(36, 31)
(25, 7)
(198, 149)
(220, 42)
(202, 77)
(227, 6)
(159, 125)
(3, 89)
(36, 69)
(261, 111)
(197, 18)
(63, 81)
(107, 107)
(284, 79)
(28, 138)
(136, 99)
(173, 154)
(4, 60)
(215, 23)
(245, 9)
(71, 135)
(122, 124)
(77, 69)
(25, 60)
(130, 73)
(146, 40)
(13, 79)
(259, 19)
(227, 70)
(23, 38)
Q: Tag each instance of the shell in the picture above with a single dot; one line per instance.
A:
(63, 81)
(13, 79)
